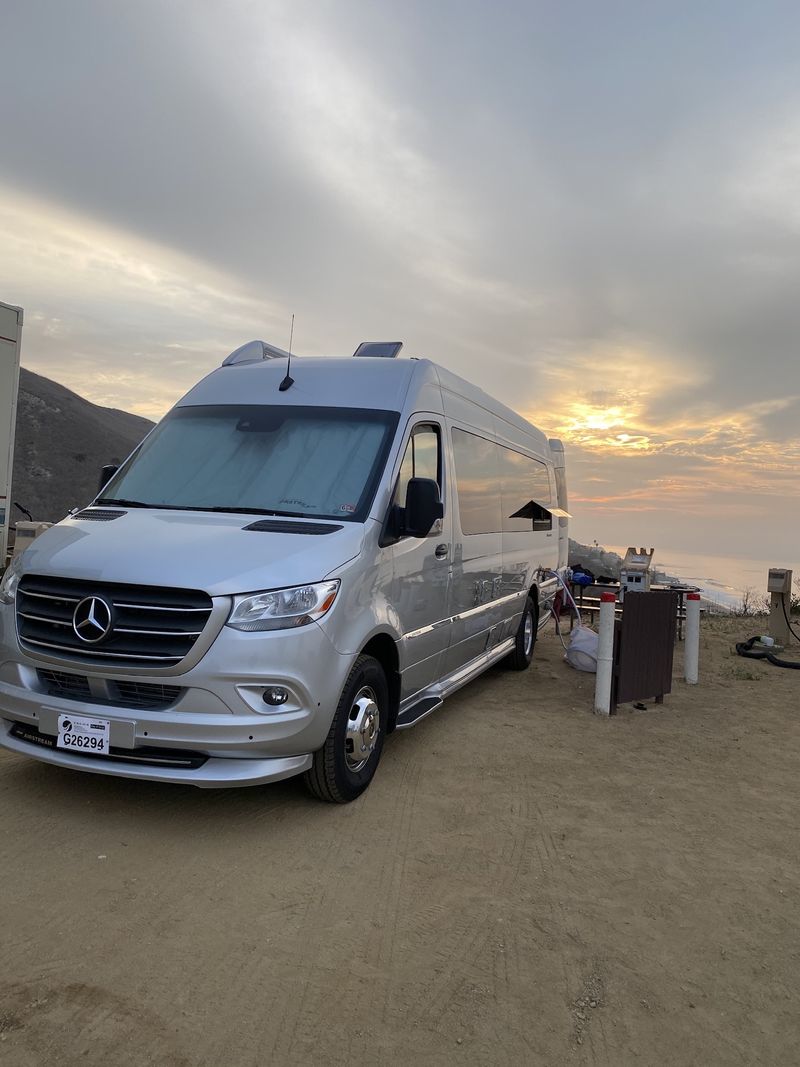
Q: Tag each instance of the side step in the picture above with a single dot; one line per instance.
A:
(417, 711)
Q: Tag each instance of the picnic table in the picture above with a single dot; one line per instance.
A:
(587, 598)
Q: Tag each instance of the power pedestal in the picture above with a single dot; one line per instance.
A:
(779, 587)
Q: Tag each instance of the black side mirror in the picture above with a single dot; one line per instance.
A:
(423, 507)
(106, 474)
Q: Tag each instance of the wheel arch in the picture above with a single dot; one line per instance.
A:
(383, 648)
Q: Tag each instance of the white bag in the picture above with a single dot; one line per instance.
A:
(582, 651)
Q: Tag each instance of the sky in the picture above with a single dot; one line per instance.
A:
(590, 210)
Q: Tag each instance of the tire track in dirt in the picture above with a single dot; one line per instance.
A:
(379, 850)
(281, 1021)
(471, 955)
(578, 970)
(393, 904)
(64, 1024)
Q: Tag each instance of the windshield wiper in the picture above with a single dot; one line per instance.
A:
(126, 503)
(187, 507)
(258, 511)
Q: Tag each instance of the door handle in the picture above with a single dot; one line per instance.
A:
(441, 551)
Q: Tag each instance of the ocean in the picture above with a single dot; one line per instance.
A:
(721, 579)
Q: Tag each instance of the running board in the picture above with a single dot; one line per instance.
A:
(427, 704)
(417, 711)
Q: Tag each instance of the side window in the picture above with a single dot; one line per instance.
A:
(525, 490)
(422, 460)
(477, 483)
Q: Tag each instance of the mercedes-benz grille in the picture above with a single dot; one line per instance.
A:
(109, 623)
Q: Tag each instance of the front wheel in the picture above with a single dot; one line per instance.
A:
(519, 659)
(346, 763)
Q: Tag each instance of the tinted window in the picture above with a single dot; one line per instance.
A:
(477, 483)
(525, 491)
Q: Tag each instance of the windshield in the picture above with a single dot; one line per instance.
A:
(301, 461)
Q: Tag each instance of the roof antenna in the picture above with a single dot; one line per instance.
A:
(288, 380)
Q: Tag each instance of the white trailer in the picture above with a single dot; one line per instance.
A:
(10, 338)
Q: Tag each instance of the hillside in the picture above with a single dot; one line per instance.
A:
(62, 442)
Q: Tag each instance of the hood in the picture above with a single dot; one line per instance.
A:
(190, 550)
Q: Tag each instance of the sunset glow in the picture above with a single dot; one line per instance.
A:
(623, 274)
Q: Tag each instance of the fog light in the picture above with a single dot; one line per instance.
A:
(276, 695)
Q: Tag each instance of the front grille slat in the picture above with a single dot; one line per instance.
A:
(167, 660)
(157, 607)
(151, 625)
(157, 633)
(48, 596)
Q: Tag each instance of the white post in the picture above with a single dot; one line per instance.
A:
(691, 648)
(605, 655)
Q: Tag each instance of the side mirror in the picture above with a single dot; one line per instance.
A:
(423, 507)
(106, 474)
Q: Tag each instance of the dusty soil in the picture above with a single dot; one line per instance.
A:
(523, 883)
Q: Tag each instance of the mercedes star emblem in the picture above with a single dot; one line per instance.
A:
(91, 620)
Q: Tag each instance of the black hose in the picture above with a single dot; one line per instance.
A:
(745, 648)
(783, 605)
(23, 510)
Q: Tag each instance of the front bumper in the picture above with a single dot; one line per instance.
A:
(215, 773)
(219, 713)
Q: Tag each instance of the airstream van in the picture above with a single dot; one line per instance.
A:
(294, 563)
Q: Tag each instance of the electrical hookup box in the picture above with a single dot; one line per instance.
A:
(10, 339)
(779, 580)
(635, 574)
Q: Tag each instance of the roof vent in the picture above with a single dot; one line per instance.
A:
(254, 352)
(379, 349)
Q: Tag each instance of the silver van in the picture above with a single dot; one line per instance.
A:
(285, 571)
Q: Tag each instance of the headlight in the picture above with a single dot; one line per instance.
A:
(10, 581)
(283, 608)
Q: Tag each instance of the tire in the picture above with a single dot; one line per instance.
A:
(346, 763)
(520, 658)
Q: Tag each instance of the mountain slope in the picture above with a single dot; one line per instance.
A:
(62, 442)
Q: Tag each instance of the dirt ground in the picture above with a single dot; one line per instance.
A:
(523, 883)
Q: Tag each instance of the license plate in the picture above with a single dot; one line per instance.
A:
(79, 734)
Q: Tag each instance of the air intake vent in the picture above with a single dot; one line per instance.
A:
(143, 695)
(126, 625)
(69, 686)
(281, 526)
(99, 515)
(146, 696)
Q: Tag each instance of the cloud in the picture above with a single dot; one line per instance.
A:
(122, 320)
(592, 217)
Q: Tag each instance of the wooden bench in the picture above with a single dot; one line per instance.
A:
(590, 605)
